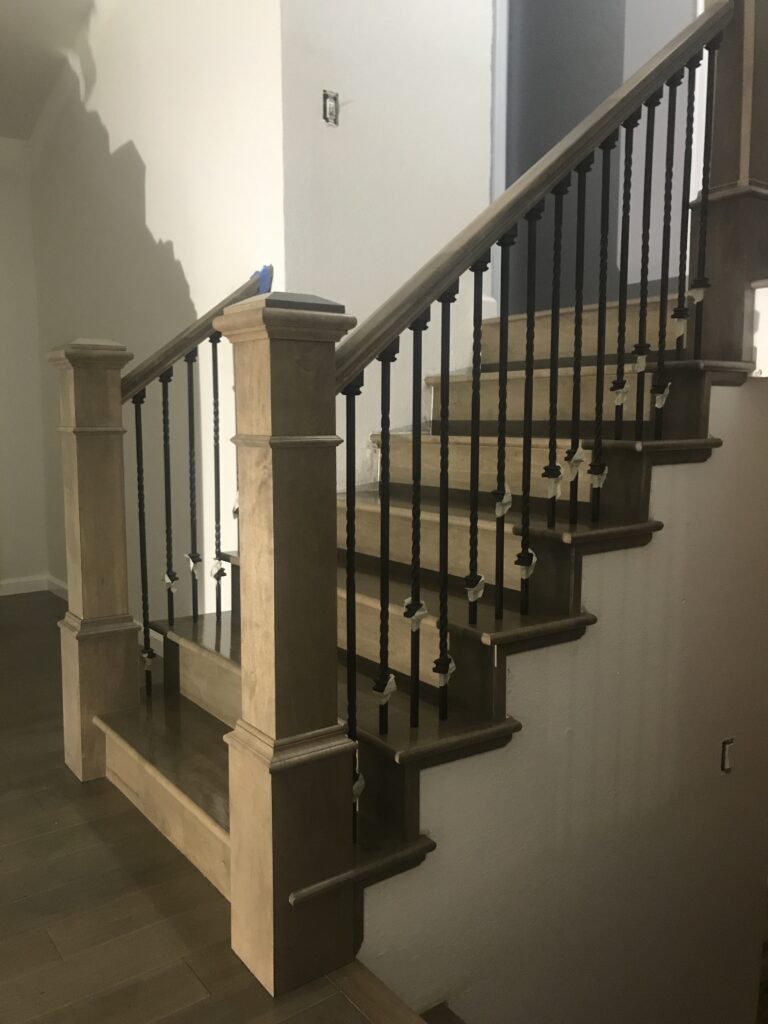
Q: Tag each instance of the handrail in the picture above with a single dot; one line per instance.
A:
(167, 356)
(375, 333)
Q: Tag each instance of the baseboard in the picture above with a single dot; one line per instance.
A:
(33, 584)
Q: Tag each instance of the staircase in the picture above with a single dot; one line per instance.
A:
(280, 744)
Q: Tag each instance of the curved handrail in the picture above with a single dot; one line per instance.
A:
(167, 356)
(375, 333)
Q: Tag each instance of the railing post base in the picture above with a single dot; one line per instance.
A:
(291, 764)
(100, 661)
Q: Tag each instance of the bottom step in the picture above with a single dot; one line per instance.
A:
(168, 757)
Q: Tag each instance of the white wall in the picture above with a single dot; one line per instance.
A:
(157, 189)
(601, 868)
(23, 543)
(369, 202)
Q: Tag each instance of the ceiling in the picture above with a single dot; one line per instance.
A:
(34, 36)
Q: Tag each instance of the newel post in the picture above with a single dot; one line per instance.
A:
(737, 252)
(290, 762)
(100, 664)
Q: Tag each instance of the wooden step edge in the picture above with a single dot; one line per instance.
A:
(233, 557)
(376, 1003)
(370, 868)
(593, 539)
(201, 839)
(521, 637)
(477, 739)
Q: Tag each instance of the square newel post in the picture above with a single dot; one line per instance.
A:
(100, 663)
(290, 762)
(737, 253)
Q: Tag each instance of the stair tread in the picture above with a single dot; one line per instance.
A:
(184, 744)
(588, 307)
(222, 638)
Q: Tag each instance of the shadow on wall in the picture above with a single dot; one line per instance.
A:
(102, 274)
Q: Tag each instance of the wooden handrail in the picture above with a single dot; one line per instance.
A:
(375, 333)
(167, 356)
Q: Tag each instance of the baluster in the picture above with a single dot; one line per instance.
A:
(414, 611)
(444, 663)
(146, 651)
(642, 348)
(552, 472)
(575, 455)
(597, 467)
(219, 572)
(619, 385)
(350, 393)
(474, 582)
(384, 686)
(681, 310)
(701, 281)
(170, 576)
(660, 388)
(194, 555)
(502, 494)
(526, 559)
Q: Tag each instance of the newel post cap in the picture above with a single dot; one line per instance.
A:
(285, 315)
(89, 352)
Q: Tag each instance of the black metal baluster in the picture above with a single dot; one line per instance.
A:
(619, 385)
(502, 494)
(444, 663)
(413, 609)
(170, 576)
(194, 555)
(385, 684)
(552, 471)
(574, 455)
(681, 310)
(597, 467)
(526, 559)
(660, 387)
(219, 572)
(350, 393)
(474, 582)
(146, 651)
(642, 348)
(701, 281)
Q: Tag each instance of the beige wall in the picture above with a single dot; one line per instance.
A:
(601, 868)
(23, 541)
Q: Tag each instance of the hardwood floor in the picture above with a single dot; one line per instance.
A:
(101, 919)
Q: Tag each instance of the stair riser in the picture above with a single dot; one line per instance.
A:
(459, 457)
(517, 327)
(460, 401)
(211, 682)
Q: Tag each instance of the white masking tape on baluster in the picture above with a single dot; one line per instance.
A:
(574, 463)
(503, 506)
(696, 294)
(192, 565)
(620, 395)
(358, 787)
(419, 614)
(443, 678)
(598, 479)
(476, 592)
(641, 364)
(216, 568)
(169, 583)
(147, 657)
(526, 571)
(682, 331)
(384, 695)
(662, 398)
(554, 485)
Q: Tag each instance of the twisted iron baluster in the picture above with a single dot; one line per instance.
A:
(219, 570)
(383, 685)
(701, 281)
(350, 393)
(147, 653)
(473, 581)
(660, 383)
(500, 494)
(572, 456)
(681, 310)
(525, 557)
(413, 609)
(597, 467)
(642, 348)
(619, 385)
(552, 471)
(194, 555)
(170, 576)
(443, 663)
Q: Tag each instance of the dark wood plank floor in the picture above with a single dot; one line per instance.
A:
(101, 919)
